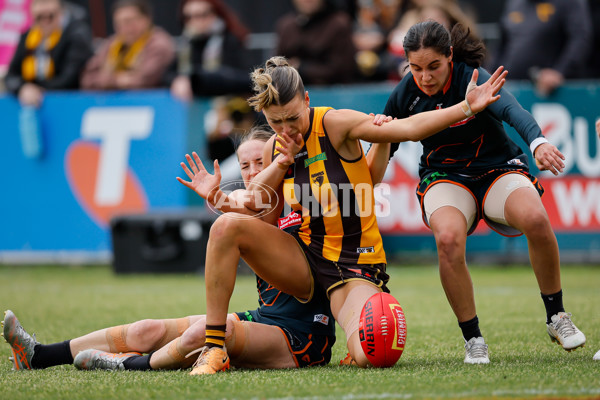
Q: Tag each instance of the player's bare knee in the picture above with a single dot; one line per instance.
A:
(194, 337)
(536, 225)
(226, 226)
(146, 333)
(449, 245)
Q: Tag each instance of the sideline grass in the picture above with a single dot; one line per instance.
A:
(58, 303)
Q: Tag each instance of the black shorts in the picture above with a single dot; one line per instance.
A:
(307, 349)
(478, 185)
(329, 274)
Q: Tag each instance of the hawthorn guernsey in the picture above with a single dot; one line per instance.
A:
(382, 330)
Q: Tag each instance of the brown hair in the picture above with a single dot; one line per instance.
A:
(277, 83)
(143, 6)
(258, 132)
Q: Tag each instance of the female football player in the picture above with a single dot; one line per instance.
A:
(472, 170)
(317, 164)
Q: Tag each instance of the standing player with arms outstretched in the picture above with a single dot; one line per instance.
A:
(472, 171)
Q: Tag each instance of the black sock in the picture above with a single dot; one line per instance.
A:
(138, 363)
(470, 328)
(553, 304)
(49, 355)
(215, 336)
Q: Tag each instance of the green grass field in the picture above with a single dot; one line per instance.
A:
(58, 303)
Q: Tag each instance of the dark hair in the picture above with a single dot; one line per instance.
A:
(431, 34)
(223, 11)
(143, 6)
(277, 83)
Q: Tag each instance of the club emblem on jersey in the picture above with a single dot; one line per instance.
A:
(318, 157)
(318, 177)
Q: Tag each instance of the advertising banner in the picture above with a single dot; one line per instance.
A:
(101, 155)
(14, 19)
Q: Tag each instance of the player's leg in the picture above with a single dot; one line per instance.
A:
(178, 352)
(450, 211)
(140, 336)
(260, 346)
(249, 344)
(514, 201)
(273, 255)
(347, 302)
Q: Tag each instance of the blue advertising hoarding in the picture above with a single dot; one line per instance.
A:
(102, 154)
(105, 154)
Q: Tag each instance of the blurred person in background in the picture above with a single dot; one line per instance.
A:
(136, 56)
(50, 55)
(212, 60)
(317, 40)
(546, 41)
(446, 12)
(375, 19)
(211, 55)
(593, 64)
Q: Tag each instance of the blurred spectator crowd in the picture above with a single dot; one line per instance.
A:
(329, 41)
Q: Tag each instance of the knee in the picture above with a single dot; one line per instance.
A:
(146, 333)
(536, 225)
(226, 226)
(450, 245)
(194, 337)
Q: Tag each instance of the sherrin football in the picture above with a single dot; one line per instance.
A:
(382, 330)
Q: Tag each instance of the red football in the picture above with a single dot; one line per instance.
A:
(382, 330)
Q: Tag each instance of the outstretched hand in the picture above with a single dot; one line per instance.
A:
(202, 182)
(288, 147)
(479, 97)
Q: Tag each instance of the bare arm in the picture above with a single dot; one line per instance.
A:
(356, 125)
(378, 159)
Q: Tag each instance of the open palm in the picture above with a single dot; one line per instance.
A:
(202, 182)
(479, 97)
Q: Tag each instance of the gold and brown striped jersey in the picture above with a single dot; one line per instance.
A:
(335, 198)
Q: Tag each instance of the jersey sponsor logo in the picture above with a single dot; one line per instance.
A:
(414, 103)
(291, 219)
(321, 318)
(318, 157)
(369, 249)
(515, 161)
(318, 177)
